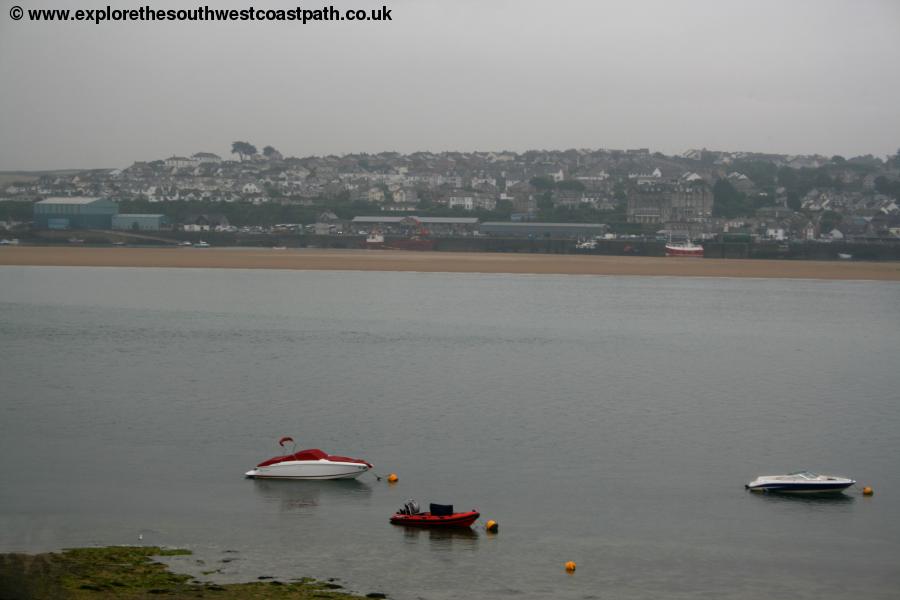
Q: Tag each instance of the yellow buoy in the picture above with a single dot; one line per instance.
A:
(867, 491)
(392, 478)
(570, 566)
(492, 526)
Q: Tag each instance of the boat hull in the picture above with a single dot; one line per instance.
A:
(687, 251)
(800, 488)
(800, 483)
(464, 519)
(321, 469)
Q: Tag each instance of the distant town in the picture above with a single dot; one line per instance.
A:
(631, 193)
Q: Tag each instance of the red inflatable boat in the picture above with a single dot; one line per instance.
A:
(463, 519)
(441, 515)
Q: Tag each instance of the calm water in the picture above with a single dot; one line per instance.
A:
(607, 420)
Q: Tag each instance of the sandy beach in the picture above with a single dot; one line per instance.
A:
(452, 262)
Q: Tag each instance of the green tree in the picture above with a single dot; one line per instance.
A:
(885, 186)
(761, 172)
(542, 182)
(545, 205)
(243, 149)
(728, 202)
(830, 220)
(894, 161)
(571, 185)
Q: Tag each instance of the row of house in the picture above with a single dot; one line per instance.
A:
(646, 188)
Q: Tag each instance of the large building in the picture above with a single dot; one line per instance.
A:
(665, 202)
(74, 213)
(137, 222)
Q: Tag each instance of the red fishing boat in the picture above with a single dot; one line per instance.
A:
(440, 515)
(687, 248)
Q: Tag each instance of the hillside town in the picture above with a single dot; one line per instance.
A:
(699, 194)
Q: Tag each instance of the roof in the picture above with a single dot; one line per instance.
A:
(67, 200)
(527, 224)
(134, 215)
(377, 219)
(449, 220)
(428, 220)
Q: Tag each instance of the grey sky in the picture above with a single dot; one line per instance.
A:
(773, 76)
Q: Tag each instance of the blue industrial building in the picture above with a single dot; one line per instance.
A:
(74, 213)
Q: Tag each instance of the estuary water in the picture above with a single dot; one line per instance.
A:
(612, 421)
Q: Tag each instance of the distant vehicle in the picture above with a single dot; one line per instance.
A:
(586, 245)
(185, 243)
(75, 240)
(201, 244)
(843, 256)
(12, 242)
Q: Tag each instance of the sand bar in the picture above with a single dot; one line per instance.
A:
(451, 262)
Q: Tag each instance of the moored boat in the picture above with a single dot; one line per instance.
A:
(440, 515)
(375, 240)
(801, 482)
(687, 248)
(308, 464)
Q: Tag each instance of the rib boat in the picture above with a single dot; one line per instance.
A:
(440, 515)
(308, 464)
(801, 482)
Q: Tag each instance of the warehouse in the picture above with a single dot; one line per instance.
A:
(543, 230)
(137, 222)
(74, 213)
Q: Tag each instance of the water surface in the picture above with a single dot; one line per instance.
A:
(607, 420)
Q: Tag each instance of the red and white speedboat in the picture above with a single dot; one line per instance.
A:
(308, 464)
(687, 248)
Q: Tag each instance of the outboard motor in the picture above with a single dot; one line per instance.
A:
(411, 507)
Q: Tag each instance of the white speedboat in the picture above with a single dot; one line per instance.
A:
(308, 464)
(801, 482)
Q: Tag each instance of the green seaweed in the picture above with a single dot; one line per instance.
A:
(129, 572)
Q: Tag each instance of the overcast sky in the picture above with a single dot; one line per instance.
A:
(771, 76)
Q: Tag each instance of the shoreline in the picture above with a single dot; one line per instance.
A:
(444, 262)
(135, 572)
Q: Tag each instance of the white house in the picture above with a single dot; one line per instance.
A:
(466, 201)
(179, 162)
(206, 157)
